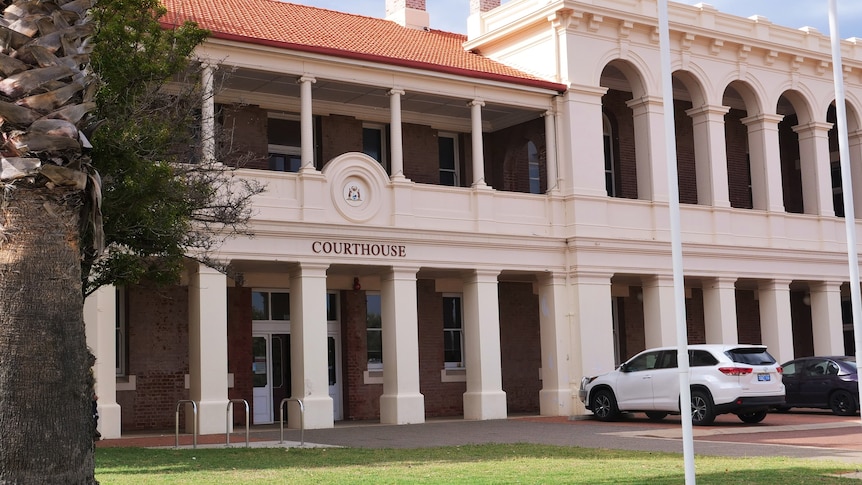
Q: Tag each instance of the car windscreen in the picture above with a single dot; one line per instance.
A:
(750, 356)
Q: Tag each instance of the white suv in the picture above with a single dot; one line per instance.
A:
(740, 379)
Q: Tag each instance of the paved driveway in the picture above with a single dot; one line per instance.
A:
(804, 434)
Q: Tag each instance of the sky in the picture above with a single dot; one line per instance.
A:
(451, 15)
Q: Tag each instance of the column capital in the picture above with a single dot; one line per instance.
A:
(306, 268)
(762, 118)
(476, 102)
(813, 127)
(708, 111)
(395, 91)
(305, 78)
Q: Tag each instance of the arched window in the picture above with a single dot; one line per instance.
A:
(533, 163)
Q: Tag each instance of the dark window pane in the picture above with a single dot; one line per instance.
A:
(372, 315)
(277, 363)
(331, 307)
(452, 346)
(371, 143)
(259, 305)
(447, 152)
(280, 306)
(451, 312)
(258, 366)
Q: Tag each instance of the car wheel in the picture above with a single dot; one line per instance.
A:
(842, 403)
(752, 418)
(605, 405)
(656, 415)
(702, 409)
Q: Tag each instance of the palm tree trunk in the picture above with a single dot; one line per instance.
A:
(46, 387)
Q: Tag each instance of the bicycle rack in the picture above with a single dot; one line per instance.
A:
(301, 419)
(195, 424)
(228, 420)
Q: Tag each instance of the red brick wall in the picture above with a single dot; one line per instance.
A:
(339, 135)
(520, 346)
(801, 321)
(421, 153)
(748, 317)
(361, 401)
(507, 156)
(158, 338)
(244, 131)
(239, 358)
(685, 165)
(620, 115)
(738, 171)
(441, 398)
(635, 338)
(791, 176)
(695, 325)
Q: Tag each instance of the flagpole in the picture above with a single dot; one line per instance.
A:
(846, 184)
(676, 246)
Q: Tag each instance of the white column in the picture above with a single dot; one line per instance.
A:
(478, 150)
(401, 402)
(592, 330)
(816, 168)
(855, 148)
(659, 311)
(551, 150)
(397, 143)
(208, 114)
(309, 357)
(581, 142)
(710, 155)
(827, 325)
(776, 329)
(555, 398)
(719, 310)
(208, 349)
(650, 151)
(100, 320)
(306, 121)
(484, 398)
(765, 156)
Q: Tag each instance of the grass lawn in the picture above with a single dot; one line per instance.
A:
(493, 463)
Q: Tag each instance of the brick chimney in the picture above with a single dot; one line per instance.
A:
(408, 13)
(478, 6)
(475, 26)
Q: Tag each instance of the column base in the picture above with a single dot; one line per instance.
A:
(555, 402)
(109, 420)
(318, 413)
(485, 405)
(212, 417)
(402, 409)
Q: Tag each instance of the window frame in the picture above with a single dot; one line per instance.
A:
(456, 161)
(459, 331)
(373, 365)
(533, 162)
(384, 139)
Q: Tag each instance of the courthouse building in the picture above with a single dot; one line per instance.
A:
(465, 225)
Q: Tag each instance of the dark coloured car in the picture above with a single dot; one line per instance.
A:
(822, 382)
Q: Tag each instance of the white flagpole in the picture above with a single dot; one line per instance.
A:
(676, 246)
(846, 184)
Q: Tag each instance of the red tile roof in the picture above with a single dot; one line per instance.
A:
(311, 29)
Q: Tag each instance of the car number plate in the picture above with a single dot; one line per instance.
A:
(763, 377)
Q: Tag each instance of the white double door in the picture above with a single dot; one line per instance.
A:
(272, 377)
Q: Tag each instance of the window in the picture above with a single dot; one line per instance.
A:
(610, 172)
(266, 305)
(122, 342)
(283, 134)
(374, 330)
(374, 143)
(448, 159)
(453, 332)
(533, 163)
(332, 307)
